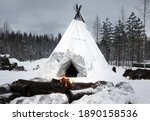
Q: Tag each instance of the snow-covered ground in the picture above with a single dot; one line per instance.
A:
(108, 95)
(10, 76)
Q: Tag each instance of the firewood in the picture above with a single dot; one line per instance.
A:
(29, 88)
(72, 97)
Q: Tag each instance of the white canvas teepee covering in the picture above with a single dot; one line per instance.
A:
(77, 55)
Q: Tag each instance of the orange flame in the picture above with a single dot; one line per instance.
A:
(66, 81)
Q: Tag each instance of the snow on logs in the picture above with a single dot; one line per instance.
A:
(6, 65)
(73, 91)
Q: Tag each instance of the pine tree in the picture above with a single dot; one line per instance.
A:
(119, 43)
(135, 34)
(106, 38)
(59, 36)
(139, 29)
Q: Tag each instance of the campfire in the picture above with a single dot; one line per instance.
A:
(28, 88)
(66, 81)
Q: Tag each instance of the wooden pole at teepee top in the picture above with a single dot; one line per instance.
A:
(78, 15)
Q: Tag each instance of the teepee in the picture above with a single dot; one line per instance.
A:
(77, 55)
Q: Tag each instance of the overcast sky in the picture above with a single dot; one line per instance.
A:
(53, 16)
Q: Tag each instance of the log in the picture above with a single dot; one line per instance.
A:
(29, 88)
(5, 99)
(5, 89)
(72, 97)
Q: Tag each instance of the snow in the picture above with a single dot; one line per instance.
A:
(78, 46)
(10, 76)
(56, 98)
(103, 94)
(121, 93)
(141, 87)
(113, 96)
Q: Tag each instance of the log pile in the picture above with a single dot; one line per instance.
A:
(35, 88)
(6, 65)
(28, 88)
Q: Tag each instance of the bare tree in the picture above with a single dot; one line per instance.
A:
(1, 29)
(123, 21)
(123, 17)
(97, 29)
(145, 13)
(6, 27)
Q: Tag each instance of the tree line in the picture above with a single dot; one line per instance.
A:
(23, 46)
(125, 42)
(122, 44)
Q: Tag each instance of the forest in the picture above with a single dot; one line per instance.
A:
(23, 46)
(124, 43)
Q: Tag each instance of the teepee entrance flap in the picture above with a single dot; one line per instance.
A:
(70, 66)
(71, 70)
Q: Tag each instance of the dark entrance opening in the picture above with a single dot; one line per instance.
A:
(71, 71)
